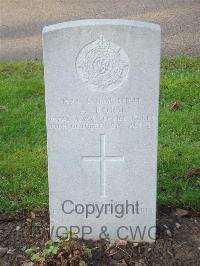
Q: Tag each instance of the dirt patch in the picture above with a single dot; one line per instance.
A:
(178, 241)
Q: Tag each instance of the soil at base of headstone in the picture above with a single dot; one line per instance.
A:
(178, 241)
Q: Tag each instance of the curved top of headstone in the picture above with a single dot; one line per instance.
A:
(95, 22)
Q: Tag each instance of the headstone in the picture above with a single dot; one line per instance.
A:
(102, 91)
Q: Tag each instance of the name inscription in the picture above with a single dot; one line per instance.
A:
(101, 113)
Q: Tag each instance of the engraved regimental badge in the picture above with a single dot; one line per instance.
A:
(102, 65)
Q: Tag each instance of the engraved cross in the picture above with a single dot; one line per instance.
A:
(102, 159)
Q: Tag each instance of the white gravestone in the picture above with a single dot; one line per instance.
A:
(102, 91)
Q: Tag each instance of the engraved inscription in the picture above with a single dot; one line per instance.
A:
(103, 100)
(102, 159)
(103, 113)
(102, 65)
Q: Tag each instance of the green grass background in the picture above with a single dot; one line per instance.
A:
(23, 156)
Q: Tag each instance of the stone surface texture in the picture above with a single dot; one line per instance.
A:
(102, 90)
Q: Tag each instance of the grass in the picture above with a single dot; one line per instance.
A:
(23, 156)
